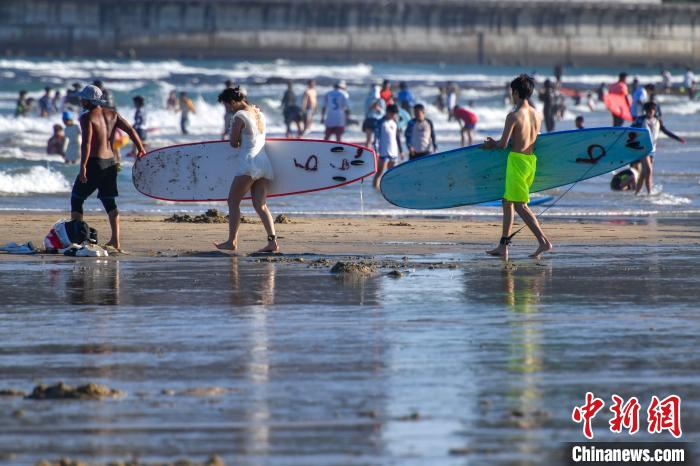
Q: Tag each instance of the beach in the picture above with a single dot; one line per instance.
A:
(380, 335)
(150, 235)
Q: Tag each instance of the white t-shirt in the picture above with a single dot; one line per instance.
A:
(689, 79)
(336, 104)
(639, 98)
(72, 133)
(654, 126)
(388, 144)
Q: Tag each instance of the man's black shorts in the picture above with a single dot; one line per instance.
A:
(101, 176)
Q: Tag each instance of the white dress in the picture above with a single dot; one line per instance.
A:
(253, 160)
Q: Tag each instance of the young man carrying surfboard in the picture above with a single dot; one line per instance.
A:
(521, 129)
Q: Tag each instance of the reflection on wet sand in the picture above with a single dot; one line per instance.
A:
(261, 362)
(522, 289)
(95, 283)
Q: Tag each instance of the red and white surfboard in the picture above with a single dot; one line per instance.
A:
(204, 171)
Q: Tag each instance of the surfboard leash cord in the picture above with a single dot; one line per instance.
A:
(561, 196)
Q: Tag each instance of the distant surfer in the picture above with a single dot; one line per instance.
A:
(98, 167)
(254, 170)
(521, 129)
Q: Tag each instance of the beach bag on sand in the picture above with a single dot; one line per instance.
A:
(80, 232)
(57, 237)
(66, 233)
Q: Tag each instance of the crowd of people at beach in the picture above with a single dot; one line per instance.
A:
(394, 124)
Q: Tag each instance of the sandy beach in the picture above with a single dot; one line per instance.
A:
(148, 236)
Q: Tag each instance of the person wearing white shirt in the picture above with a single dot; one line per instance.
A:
(639, 98)
(387, 142)
(689, 83)
(335, 110)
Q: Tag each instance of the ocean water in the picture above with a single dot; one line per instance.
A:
(30, 179)
(287, 364)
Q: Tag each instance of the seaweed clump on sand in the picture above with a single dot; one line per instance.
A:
(12, 392)
(213, 460)
(283, 219)
(354, 268)
(61, 391)
(210, 216)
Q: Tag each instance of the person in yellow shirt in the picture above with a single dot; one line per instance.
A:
(186, 107)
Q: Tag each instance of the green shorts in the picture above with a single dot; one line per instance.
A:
(520, 173)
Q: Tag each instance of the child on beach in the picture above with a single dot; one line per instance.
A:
(420, 134)
(651, 121)
(57, 142)
(72, 133)
(579, 122)
(387, 142)
(521, 129)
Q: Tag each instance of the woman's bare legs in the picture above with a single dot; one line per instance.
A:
(239, 188)
(259, 193)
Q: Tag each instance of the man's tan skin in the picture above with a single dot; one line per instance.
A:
(97, 125)
(521, 129)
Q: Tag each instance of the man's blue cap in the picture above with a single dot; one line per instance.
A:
(67, 115)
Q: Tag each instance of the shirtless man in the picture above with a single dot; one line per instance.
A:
(98, 168)
(521, 130)
(309, 103)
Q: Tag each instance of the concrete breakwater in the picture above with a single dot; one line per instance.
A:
(518, 33)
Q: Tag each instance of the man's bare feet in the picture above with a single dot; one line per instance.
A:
(544, 247)
(272, 247)
(113, 244)
(226, 246)
(501, 250)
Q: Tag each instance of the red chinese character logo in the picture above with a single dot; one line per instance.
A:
(625, 415)
(665, 415)
(587, 412)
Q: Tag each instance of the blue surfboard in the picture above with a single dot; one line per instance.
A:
(471, 175)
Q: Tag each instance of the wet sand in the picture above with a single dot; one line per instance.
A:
(147, 236)
(446, 357)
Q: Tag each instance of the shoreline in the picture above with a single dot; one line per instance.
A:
(150, 236)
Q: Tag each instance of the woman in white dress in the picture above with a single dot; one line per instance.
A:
(254, 170)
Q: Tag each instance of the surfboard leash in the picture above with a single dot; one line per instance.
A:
(583, 177)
